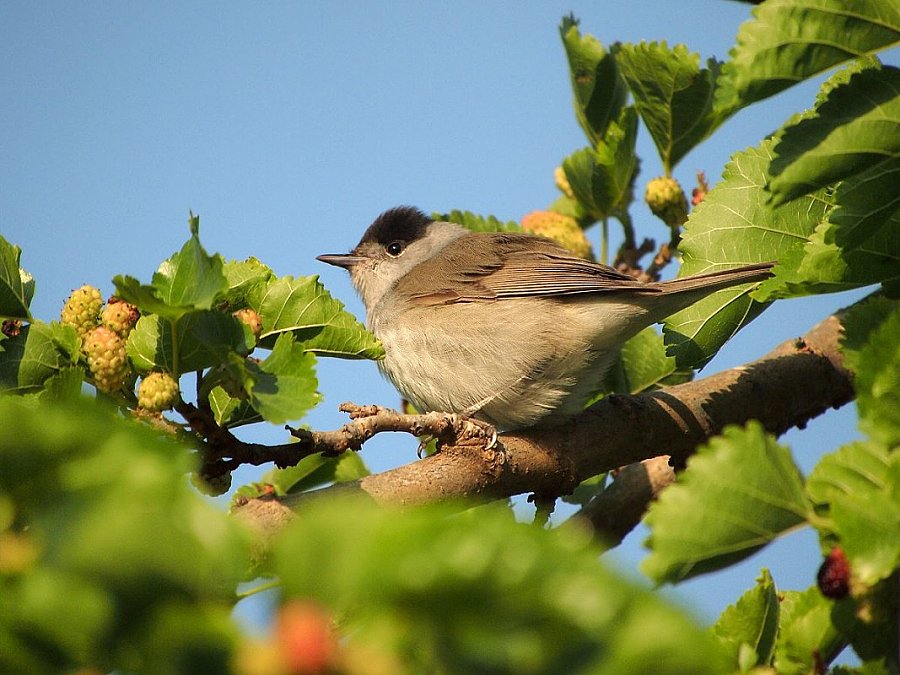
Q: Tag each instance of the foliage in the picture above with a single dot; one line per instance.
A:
(109, 560)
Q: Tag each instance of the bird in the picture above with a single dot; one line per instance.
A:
(507, 328)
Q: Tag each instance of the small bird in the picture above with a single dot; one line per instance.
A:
(507, 328)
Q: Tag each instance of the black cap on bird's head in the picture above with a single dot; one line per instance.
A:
(402, 224)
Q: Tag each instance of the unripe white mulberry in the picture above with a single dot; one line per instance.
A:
(106, 358)
(157, 392)
(562, 229)
(82, 309)
(666, 200)
(119, 316)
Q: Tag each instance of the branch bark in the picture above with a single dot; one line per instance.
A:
(797, 381)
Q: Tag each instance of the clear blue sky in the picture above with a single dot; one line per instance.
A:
(289, 126)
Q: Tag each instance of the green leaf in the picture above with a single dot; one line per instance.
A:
(16, 285)
(877, 382)
(64, 385)
(230, 411)
(198, 340)
(545, 603)
(788, 41)
(119, 534)
(320, 323)
(601, 177)
(189, 280)
(857, 491)
(748, 627)
(600, 92)
(316, 471)
(857, 245)
(645, 362)
(476, 223)
(732, 226)
(38, 352)
(673, 95)
(739, 492)
(856, 126)
(806, 635)
(284, 385)
(247, 281)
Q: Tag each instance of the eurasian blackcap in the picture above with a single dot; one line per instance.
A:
(508, 328)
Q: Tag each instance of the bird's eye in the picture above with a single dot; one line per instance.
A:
(394, 249)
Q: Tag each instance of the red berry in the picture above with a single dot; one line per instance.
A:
(834, 575)
(303, 632)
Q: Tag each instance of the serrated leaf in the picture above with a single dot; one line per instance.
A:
(857, 491)
(247, 281)
(732, 226)
(196, 341)
(231, 412)
(857, 245)
(600, 92)
(645, 361)
(189, 280)
(856, 126)
(477, 223)
(739, 492)
(787, 41)
(806, 635)
(316, 471)
(673, 95)
(39, 351)
(301, 306)
(284, 386)
(16, 285)
(872, 351)
(751, 622)
(64, 385)
(601, 177)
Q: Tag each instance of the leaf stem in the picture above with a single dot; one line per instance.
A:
(269, 585)
(604, 241)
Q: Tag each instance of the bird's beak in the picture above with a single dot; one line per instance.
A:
(345, 260)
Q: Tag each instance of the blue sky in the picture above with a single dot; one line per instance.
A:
(289, 126)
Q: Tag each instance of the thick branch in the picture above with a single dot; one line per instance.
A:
(797, 381)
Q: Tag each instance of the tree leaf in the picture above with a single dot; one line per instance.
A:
(545, 603)
(39, 351)
(856, 245)
(601, 177)
(857, 489)
(732, 226)
(284, 385)
(189, 280)
(673, 95)
(319, 322)
(316, 471)
(16, 285)
(600, 92)
(806, 635)
(872, 351)
(247, 281)
(476, 223)
(230, 411)
(788, 41)
(855, 126)
(739, 492)
(751, 622)
(642, 365)
(196, 341)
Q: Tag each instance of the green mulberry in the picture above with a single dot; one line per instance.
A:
(562, 229)
(106, 358)
(666, 200)
(157, 392)
(82, 309)
(119, 316)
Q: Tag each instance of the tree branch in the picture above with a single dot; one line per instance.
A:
(797, 381)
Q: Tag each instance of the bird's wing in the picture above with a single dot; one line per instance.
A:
(516, 266)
